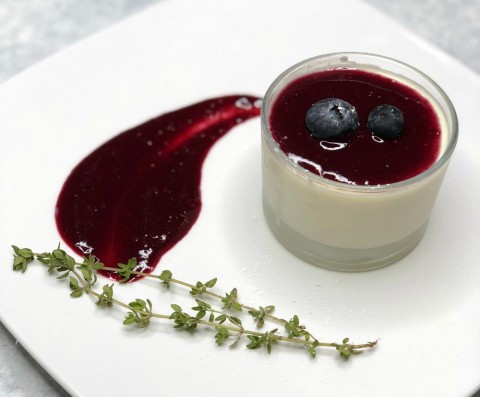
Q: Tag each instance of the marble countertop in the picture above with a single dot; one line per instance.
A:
(33, 30)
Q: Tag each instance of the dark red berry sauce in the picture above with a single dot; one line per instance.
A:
(357, 157)
(138, 194)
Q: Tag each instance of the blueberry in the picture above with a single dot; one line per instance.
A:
(330, 117)
(386, 121)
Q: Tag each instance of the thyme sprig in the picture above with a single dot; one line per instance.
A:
(82, 279)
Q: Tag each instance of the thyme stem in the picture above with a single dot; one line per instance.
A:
(82, 278)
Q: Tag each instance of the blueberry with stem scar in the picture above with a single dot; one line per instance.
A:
(385, 121)
(331, 117)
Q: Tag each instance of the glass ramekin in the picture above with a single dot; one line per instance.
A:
(351, 227)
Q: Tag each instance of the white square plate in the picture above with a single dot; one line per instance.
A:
(425, 309)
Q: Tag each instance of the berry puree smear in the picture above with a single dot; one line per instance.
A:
(138, 194)
(357, 157)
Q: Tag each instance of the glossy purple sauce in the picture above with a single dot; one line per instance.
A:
(357, 157)
(138, 194)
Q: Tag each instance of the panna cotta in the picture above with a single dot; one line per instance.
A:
(339, 190)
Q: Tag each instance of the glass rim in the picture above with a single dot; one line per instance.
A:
(439, 163)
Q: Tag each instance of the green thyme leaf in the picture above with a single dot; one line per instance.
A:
(345, 349)
(140, 314)
(222, 335)
(21, 258)
(211, 283)
(105, 298)
(166, 276)
(64, 275)
(260, 314)
(76, 293)
(125, 270)
(201, 288)
(230, 301)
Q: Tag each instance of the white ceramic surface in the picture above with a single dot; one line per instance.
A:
(425, 309)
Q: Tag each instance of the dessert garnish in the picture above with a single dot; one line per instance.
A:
(331, 117)
(386, 121)
(223, 318)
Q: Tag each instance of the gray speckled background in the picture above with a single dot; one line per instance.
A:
(31, 30)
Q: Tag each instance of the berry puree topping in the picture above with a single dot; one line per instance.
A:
(138, 194)
(356, 127)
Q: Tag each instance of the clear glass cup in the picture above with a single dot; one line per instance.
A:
(351, 227)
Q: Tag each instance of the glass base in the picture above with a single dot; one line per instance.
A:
(341, 259)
